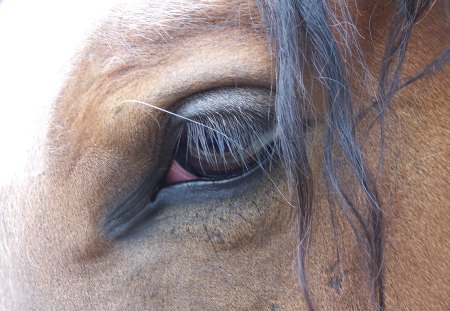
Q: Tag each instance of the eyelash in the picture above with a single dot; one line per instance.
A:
(230, 143)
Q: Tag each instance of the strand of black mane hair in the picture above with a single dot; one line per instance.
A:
(303, 42)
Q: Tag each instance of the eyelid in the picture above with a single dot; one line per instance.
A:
(228, 100)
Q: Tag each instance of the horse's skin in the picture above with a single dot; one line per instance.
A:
(234, 247)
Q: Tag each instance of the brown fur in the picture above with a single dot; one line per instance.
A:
(236, 253)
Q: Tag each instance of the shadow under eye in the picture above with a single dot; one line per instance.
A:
(192, 192)
(252, 111)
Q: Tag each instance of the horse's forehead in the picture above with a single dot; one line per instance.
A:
(38, 56)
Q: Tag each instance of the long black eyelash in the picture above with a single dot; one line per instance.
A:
(240, 133)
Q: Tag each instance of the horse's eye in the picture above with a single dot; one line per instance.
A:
(226, 139)
(223, 138)
(205, 153)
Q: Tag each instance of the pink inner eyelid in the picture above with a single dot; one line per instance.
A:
(178, 174)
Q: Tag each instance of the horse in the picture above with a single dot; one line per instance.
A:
(225, 155)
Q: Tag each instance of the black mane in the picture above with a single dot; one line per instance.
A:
(303, 42)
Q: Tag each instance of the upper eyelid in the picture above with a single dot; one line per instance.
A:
(244, 104)
(231, 125)
(231, 100)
